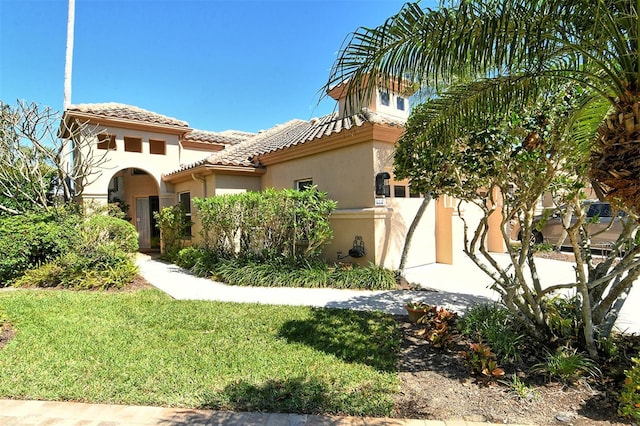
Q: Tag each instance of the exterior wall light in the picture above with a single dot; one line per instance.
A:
(382, 184)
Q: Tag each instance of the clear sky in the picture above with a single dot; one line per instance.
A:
(218, 64)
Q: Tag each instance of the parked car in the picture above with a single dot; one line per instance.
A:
(603, 228)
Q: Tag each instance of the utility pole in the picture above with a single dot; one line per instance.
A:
(69, 57)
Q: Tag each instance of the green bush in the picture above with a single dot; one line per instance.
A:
(630, 396)
(172, 222)
(564, 319)
(101, 269)
(188, 257)
(566, 364)
(273, 224)
(95, 253)
(30, 240)
(494, 325)
(101, 229)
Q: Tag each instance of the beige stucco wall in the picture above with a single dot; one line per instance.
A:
(230, 184)
(345, 174)
(154, 164)
(346, 225)
(423, 248)
(190, 155)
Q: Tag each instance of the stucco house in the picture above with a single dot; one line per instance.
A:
(154, 161)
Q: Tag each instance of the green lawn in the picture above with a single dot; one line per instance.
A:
(146, 348)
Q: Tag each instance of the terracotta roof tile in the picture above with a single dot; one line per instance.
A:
(294, 132)
(127, 112)
(226, 137)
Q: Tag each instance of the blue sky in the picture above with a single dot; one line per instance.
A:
(245, 65)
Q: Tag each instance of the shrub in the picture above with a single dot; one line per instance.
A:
(439, 325)
(567, 365)
(273, 224)
(188, 257)
(97, 255)
(630, 396)
(172, 222)
(482, 362)
(494, 325)
(99, 230)
(47, 275)
(105, 268)
(564, 318)
(31, 240)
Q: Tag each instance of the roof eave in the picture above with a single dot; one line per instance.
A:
(209, 169)
(124, 123)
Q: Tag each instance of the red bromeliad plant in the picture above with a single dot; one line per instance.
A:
(438, 328)
(483, 362)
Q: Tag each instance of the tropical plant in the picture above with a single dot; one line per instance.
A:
(494, 56)
(630, 395)
(482, 362)
(485, 59)
(567, 365)
(172, 222)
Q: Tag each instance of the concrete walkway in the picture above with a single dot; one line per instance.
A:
(20, 413)
(182, 285)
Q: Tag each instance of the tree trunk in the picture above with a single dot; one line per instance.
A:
(615, 161)
(411, 231)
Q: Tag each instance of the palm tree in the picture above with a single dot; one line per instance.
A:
(506, 53)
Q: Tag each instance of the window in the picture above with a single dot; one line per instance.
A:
(399, 191)
(304, 184)
(384, 98)
(107, 141)
(185, 201)
(400, 103)
(132, 144)
(157, 147)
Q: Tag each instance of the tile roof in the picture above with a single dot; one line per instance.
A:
(294, 132)
(227, 137)
(126, 112)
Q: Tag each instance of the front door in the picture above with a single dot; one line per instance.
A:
(143, 222)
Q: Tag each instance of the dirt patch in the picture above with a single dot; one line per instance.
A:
(7, 332)
(138, 283)
(437, 385)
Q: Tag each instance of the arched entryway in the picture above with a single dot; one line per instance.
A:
(135, 191)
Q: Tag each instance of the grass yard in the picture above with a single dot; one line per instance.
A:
(146, 348)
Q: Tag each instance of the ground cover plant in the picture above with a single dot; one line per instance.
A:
(317, 274)
(145, 348)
